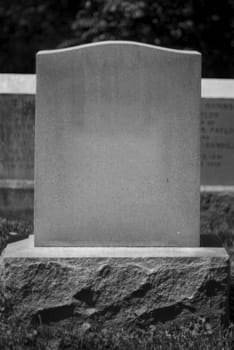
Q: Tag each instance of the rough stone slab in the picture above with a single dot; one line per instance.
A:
(118, 291)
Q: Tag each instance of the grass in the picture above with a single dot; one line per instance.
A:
(19, 337)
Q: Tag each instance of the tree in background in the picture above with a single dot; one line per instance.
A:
(28, 26)
(204, 25)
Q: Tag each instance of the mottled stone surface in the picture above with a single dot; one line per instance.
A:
(117, 291)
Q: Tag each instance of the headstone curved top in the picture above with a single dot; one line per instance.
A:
(117, 146)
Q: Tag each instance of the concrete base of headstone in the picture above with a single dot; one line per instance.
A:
(116, 287)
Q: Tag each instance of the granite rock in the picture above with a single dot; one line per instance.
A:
(120, 292)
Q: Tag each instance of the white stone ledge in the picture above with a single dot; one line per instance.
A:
(26, 249)
(217, 88)
(16, 184)
(217, 188)
(29, 184)
(18, 84)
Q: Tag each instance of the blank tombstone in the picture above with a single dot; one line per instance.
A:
(117, 158)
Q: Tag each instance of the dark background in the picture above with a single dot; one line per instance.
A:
(27, 26)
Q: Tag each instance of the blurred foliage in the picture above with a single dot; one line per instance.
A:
(32, 25)
(28, 26)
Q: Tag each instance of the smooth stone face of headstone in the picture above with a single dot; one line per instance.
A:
(217, 132)
(117, 146)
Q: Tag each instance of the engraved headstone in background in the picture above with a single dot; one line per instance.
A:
(117, 158)
(217, 132)
(17, 114)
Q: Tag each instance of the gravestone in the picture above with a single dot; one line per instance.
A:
(117, 168)
(117, 146)
(17, 117)
(217, 132)
(17, 109)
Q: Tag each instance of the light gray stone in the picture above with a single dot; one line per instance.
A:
(26, 249)
(117, 291)
(117, 146)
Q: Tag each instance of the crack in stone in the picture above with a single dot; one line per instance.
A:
(166, 313)
(53, 314)
(87, 296)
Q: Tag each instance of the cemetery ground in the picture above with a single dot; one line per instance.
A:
(217, 228)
